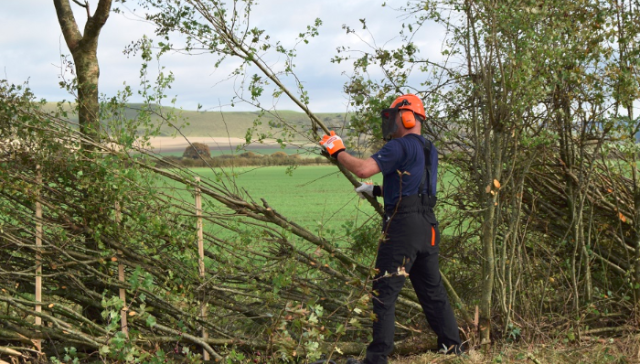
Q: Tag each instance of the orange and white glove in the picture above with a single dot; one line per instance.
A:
(333, 144)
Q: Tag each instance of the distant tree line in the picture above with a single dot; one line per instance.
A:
(199, 155)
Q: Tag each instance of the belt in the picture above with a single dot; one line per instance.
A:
(411, 204)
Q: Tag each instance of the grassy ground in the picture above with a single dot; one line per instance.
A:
(592, 350)
(313, 196)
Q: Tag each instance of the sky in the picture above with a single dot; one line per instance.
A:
(31, 45)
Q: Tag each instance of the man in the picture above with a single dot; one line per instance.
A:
(410, 244)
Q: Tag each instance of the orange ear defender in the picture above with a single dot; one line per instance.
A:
(408, 119)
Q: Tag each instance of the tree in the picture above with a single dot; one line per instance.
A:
(197, 151)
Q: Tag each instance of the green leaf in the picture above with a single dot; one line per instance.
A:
(151, 321)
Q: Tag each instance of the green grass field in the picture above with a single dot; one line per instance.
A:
(312, 196)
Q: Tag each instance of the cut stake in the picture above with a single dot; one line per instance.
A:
(123, 312)
(203, 311)
(38, 292)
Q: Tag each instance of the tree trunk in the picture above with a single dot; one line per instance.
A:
(488, 273)
(84, 48)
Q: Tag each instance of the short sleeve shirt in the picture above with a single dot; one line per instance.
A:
(402, 164)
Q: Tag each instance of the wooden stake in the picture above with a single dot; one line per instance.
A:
(203, 311)
(38, 292)
(123, 312)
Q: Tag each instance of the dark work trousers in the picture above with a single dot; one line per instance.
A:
(412, 241)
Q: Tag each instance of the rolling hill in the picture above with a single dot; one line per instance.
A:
(224, 124)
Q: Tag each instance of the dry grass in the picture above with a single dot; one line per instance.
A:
(618, 350)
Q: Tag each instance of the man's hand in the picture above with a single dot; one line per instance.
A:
(365, 188)
(368, 188)
(333, 144)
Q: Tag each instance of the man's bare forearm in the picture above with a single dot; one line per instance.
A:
(363, 168)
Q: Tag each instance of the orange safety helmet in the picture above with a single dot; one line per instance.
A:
(409, 102)
(412, 103)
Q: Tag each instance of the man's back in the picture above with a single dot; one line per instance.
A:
(405, 155)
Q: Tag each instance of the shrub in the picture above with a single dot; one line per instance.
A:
(196, 150)
(250, 155)
(279, 155)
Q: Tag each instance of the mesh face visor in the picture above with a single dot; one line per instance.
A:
(389, 125)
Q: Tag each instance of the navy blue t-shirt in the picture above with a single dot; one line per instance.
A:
(405, 154)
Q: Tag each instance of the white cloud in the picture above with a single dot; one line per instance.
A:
(31, 44)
